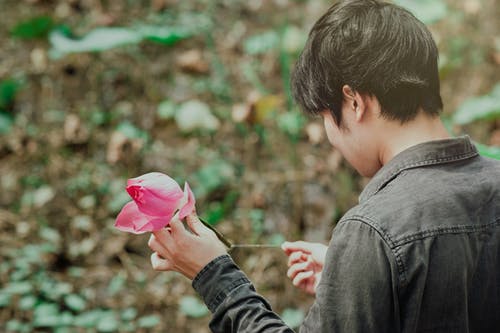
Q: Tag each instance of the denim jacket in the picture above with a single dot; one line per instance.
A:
(419, 253)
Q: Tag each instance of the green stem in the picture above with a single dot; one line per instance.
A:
(218, 234)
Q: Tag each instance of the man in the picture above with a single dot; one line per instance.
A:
(421, 250)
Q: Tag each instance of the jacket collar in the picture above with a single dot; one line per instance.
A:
(424, 154)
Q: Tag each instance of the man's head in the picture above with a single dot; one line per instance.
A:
(369, 49)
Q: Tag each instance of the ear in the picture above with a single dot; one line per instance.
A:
(354, 101)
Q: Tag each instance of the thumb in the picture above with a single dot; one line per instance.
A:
(194, 223)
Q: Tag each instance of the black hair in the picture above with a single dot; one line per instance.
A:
(376, 48)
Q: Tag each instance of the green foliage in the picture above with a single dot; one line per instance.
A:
(148, 321)
(36, 27)
(261, 43)
(212, 176)
(117, 284)
(131, 131)
(485, 107)
(166, 109)
(192, 307)
(6, 123)
(103, 39)
(428, 11)
(75, 302)
(8, 91)
(292, 123)
(163, 34)
(256, 217)
(100, 39)
(292, 317)
(217, 210)
(488, 151)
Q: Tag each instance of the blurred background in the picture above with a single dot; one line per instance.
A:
(93, 92)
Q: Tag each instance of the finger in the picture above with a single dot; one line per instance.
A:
(295, 269)
(164, 236)
(195, 224)
(301, 278)
(159, 263)
(156, 246)
(295, 257)
(289, 247)
(177, 227)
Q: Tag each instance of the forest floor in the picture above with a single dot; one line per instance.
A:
(80, 124)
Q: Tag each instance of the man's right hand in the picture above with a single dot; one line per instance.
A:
(305, 264)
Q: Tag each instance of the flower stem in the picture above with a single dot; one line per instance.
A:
(231, 246)
(218, 234)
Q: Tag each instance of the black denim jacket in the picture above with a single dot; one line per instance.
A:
(420, 253)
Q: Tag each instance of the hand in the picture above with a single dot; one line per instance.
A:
(185, 251)
(305, 264)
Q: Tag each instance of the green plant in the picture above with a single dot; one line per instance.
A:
(486, 108)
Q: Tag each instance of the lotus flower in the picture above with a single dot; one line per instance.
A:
(156, 199)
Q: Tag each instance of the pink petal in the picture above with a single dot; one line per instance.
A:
(156, 223)
(155, 194)
(130, 219)
(188, 208)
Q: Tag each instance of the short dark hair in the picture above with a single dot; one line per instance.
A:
(376, 48)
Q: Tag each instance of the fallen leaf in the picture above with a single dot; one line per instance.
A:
(194, 115)
(192, 61)
(315, 133)
(495, 138)
(74, 131)
(121, 146)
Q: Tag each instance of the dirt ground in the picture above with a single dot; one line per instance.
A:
(64, 163)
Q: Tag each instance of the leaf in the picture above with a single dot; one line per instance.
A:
(33, 28)
(27, 302)
(148, 321)
(4, 299)
(131, 131)
(477, 108)
(129, 314)
(276, 239)
(46, 315)
(106, 38)
(291, 123)
(8, 91)
(164, 34)
(107, 322)
(292, 317)
(166, 109)
(117, 284)
(75, 302)
(488, 151)
(6, 123)
(192, 307)
(261, 43)
(212, 176)
(18, 288)
(100, 39)
(427, 11)
(88, 319)
(293, 39)
(193, 115)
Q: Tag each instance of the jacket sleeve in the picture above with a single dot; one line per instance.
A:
(233, 301)
(358, 287)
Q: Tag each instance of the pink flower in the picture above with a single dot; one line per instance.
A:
(156, 199)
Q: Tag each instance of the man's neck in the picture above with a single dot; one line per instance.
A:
(399, 137)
